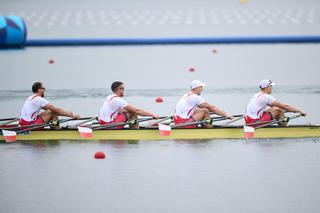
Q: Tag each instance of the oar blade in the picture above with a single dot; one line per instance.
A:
(85, 132)
(248, 131)
(165, 130)
(9, 136)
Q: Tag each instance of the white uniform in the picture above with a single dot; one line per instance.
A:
(111, 107)
(258, 105)
(187, 105)
(32, 107)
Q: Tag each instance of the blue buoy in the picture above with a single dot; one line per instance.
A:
(13, 31)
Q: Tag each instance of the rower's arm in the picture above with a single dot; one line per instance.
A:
(287, 107)
(60, 111)
(140, 112)
(215, 109)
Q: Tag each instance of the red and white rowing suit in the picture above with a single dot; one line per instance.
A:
(31, 109)
(256, 109)
(186, 107)
(109, 112)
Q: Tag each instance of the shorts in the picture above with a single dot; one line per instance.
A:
(179, 120)
(264, 119)
(121, 118)
(27, 123)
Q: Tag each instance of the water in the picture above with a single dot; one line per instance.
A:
(162, 176)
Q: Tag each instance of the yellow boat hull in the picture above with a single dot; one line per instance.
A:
(153, 134)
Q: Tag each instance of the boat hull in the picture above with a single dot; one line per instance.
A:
(153, 134)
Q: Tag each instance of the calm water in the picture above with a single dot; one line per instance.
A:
(162, 176)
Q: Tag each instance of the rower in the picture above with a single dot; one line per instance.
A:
(263, 107)
(116, 110)
(192, 107)
(30, 112)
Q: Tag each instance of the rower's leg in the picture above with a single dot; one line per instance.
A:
(200, 114)
(47, 116)
(278, 114)
(131, 116)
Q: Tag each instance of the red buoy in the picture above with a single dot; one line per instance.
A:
(159, 99)
(51, 61)
(99, 155)
(191, 69)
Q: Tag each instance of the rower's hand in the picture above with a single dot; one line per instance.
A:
(75, 116)
(304, 114)
(155, 116)
(228, 116)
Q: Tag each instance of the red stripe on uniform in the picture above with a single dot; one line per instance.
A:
(34, 97)
(112, 98)
(110, 101)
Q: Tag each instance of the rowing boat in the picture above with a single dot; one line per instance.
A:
(234, 132)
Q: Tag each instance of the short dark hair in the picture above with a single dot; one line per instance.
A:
(115, 85)
(36, 86)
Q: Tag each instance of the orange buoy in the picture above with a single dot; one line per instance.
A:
(159, 99)
(99, 155)
(191, 69)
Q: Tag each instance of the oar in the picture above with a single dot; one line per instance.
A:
(230, 122)
(10, 136)
(150, 118)
(79, 124)
(224, 118)
(86, 132)
(51, 123)
(263, 122)
(160, 120)
(132, 122)
(220, 118)
(19, 127)
(286, 119)
(165, 130)
(9, 122)
(208, 121)
(40, 125)
(7, 119)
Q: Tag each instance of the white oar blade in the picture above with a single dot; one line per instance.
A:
(9, 136)
(85, 132)
(165, 130)
(248, 131)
